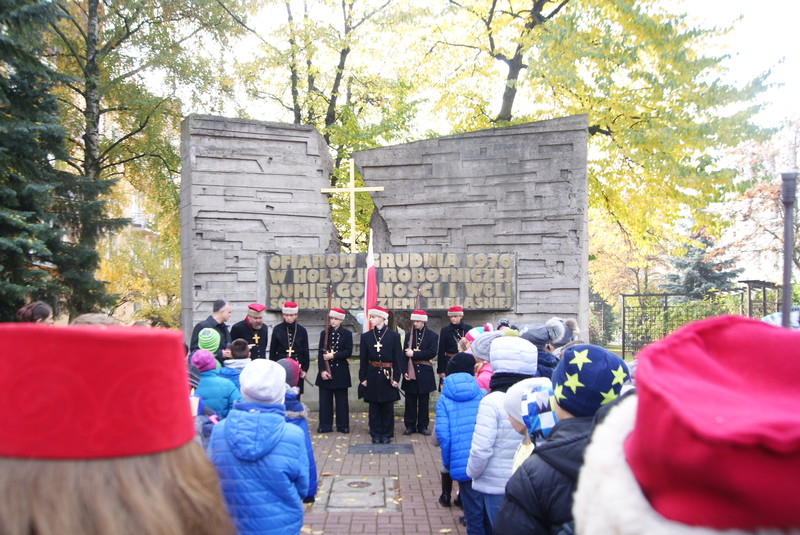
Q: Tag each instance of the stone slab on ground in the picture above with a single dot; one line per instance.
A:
(412, 481)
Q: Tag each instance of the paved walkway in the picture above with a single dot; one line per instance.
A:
(381, 490)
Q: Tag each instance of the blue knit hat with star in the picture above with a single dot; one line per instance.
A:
(586, 378)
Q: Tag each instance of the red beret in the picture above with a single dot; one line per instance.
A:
(256, 307)
(87, 392)
(716, 441)
(419, 315)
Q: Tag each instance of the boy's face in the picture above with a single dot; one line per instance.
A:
(455, 320)
(418, 324)
(376, 321)
(289, 318)
(518, 427)
(335, 322)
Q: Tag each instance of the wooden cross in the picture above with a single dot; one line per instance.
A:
(378, 346)
(289, 352)
(256, 338)
(351, 189)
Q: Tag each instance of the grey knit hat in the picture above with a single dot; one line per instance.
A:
(540, 334)
(480, 346)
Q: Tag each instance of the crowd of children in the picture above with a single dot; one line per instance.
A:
(542, 433)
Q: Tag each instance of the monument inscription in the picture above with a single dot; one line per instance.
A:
(442, 280)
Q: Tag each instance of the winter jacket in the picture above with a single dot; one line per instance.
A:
(483, 376)
(262, 477)
(456, 412)
(547, 362)
(221, 328)
(218, 393)
(538, 496)
(232, 368)
(493, 446)
(297, 414)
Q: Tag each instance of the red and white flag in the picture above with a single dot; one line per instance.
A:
(370, 285)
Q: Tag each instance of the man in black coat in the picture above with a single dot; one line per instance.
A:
(449, 337)
(290, 340)
(379, 373)
(253, 331)
(420, 348)
(220, 313)
(333, 386)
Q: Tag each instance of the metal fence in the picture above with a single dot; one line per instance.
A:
(649, 317)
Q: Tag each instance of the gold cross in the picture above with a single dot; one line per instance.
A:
(289, 352)
(351, 189)
(378, 346)
(255, 337)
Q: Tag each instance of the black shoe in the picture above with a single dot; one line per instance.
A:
(387, 440)
(344, 430)
(408, 431)
(462, 521)
(457, 501)
(424, 431)
(376, 440)
(444, 500)
(321, 430)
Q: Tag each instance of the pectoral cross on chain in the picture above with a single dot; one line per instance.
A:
(290, 352)
(378, 346)
(256, 338)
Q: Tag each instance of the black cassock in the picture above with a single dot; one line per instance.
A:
(242, 330)
(334, 390)
(381, 346)
(379, 389)
(341, 343)
(448, 343)
(427, 342)
(294, 336)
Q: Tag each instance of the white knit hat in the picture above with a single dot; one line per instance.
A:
(263, 381)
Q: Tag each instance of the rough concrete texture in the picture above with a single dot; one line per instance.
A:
(520, 189)
(248, 189)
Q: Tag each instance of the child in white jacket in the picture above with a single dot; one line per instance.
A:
(495, 441)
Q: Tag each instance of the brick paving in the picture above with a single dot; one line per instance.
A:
(412, 485)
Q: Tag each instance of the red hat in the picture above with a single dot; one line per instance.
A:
(455, 311)
(716, 441)
(419, 315)
(379, 311)
(86, 392)
(290, 307)
(337, 313)
(257, 308)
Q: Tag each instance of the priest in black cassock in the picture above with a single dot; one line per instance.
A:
(419, 348)
(379, 374)
(290, 340)
(333, 386)
(253, 331)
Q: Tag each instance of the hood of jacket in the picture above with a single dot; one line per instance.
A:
(563, 449)
(236, 364)
(460, 386)
(254, 429)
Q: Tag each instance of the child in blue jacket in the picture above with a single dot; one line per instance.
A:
(254, 450)
(297, 414)
(456, 412)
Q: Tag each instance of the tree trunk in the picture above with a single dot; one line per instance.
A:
(515, 67)
(91, 113)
